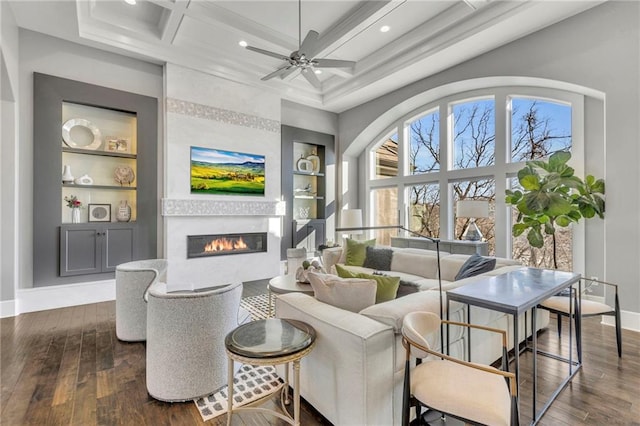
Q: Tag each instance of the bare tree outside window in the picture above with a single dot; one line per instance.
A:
(484, 190)
(424, 210)
(474, 134)
(424, 154)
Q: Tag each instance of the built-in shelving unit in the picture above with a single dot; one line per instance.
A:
(100, 135)
(305, 158)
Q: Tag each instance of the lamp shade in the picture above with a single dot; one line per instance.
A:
(351, 218)
(472, 208)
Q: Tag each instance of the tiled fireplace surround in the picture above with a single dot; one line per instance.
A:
(201, 217)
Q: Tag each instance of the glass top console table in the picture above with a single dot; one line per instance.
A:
(271, 341)
(515, 293)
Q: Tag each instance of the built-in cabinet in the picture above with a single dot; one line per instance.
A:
(98, 145)
(93, 249)
(307, 162)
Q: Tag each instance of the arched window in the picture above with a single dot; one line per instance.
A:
(470, 146)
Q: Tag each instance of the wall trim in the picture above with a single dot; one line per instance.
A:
(62, 296)
(8, 308)
(176, 207)
(227, 116)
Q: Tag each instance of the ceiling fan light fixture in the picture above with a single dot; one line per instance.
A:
(318, 71)
(385, 29)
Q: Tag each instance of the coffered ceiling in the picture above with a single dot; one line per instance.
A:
(424, 36)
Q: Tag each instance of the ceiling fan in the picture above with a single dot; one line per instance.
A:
(303, 58)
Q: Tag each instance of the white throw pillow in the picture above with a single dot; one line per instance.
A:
(351, 294)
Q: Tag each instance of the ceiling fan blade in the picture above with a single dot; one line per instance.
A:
(279, 72)
(268, 53)
(311, 78)
(288, 72)
(309, 43)
(332, 63)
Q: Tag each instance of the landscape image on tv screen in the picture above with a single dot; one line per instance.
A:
(214, 171)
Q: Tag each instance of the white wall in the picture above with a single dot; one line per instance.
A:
(305, 117)
(212, 112)
(8, 154)
(598, 49)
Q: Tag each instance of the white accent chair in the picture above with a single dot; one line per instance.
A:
(132, 281)
(473, 393)
(186, 356)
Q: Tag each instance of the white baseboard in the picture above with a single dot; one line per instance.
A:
(629, 320)
(8, 308)
(61, 296)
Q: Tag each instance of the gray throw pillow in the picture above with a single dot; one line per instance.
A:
(378, 258)
(407, 287)
(476, 265)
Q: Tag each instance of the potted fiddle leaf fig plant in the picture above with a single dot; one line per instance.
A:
(552, 196)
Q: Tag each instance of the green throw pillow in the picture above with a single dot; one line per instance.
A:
(387, 285)
(357, 251)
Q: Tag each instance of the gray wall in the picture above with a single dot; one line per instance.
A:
(60, 58)
(598, 49)
(305, 117)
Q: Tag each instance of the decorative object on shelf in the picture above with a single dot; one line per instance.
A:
(214, 171)
(116, 144)
(67, 177)
(84, 180)
(472, 209)
(303, 212)
(124, 175)
(81, 133)
(305, 191)
(315, 162)
(304, 165)
(74, 204)
(123, 214)
(99, 212)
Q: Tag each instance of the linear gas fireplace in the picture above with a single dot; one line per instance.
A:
(224, 244)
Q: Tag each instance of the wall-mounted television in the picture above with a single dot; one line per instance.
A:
(218, 172)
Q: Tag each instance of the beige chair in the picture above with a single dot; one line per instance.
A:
(560, 306)
(186, 356)
(472, 393)
(132, 281)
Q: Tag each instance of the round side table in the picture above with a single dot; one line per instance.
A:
(286, 284)
(271, 341)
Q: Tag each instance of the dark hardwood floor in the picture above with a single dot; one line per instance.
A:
(66, 367)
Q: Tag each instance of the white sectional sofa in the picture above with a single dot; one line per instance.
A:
(354, 374)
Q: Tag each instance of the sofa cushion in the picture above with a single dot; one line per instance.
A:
(353, 294)
(475, 265)
(378, 258)
(392, 312)
(387, 286)
(357, 251)
(422, 265)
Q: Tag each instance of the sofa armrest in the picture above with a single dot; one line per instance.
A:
(331, 256)
(349, 375)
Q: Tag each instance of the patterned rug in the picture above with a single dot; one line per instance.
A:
(250, 382)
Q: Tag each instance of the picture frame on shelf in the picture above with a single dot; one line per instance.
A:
(99, 212)
(116, 144)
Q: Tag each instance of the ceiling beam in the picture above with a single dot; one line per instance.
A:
(173, 21)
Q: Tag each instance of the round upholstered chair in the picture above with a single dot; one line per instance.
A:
(186, 356)
(132, 281)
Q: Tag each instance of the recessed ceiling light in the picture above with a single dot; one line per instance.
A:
(131, 2)
(384, 28)
(318, 71)
(243, 43)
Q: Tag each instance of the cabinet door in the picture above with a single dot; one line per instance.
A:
(119, 246)
(80, 250)
(308, 234)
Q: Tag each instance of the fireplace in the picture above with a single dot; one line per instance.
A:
(226, 244)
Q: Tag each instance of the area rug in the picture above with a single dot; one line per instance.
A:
(258, 306)
(249, 384)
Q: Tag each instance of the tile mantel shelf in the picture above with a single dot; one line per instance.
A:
(191, 207)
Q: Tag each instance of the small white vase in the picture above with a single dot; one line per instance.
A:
(67, 177)
(75, 215)
(124, 212)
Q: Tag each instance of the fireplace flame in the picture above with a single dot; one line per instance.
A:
(225, 244)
